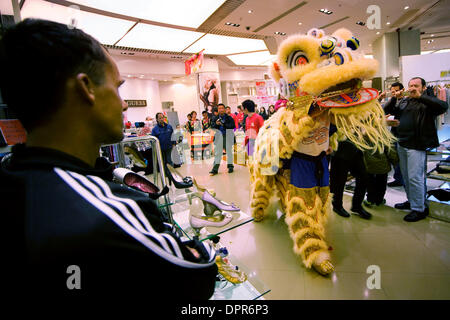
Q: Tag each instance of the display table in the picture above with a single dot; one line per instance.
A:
(202, 145)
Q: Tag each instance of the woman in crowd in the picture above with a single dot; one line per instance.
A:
(206, 121)
(271, 111)
(263, 113)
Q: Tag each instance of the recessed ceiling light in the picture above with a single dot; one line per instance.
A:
(378, 32)
(250, 11)
(299, 23)
(326, 11)
(432, 35)
(232, 24)
(406, 8)
(388, 23)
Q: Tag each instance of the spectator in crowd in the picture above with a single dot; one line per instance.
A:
(416, 133)
(223, 139)
(397, 92)
(72, 230)
(253, 123)
(263, 113)
(206, 122)
(187, 125)
(240, 117)
(271, 110)
(347, 158)
(163, 131)
(228, 112)
(378, 166)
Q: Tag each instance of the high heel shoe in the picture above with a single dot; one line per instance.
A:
(218, 220)
(179, 182)
(212, 204)
(134, 155)
(203, 189)
(139, 182)
(230, 272)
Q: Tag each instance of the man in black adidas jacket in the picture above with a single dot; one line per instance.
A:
(67, 228)
(416, 133)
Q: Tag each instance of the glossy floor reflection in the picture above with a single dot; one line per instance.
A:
(414, 258)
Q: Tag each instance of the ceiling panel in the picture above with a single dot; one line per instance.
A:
(215, 44)
(252, 59)
(147, 36)
(107, 30)
(176, 12)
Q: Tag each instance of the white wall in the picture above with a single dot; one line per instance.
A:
(139, 89)
(184, 97)
(238, 75)
(427, 66)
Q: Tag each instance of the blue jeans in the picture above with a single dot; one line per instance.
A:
(413, 166)
(397, 171)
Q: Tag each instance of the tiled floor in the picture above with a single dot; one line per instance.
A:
(414, 258)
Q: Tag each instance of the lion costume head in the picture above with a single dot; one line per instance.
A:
(329, 70)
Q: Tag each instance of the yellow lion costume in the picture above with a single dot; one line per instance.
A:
(321, 75)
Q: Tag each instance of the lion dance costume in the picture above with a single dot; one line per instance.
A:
(322, 76)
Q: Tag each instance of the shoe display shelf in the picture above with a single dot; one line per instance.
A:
(439, 209)
(117, 156)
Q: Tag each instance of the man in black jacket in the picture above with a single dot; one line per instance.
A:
(416, 133)
(223, 125)
(69, 228)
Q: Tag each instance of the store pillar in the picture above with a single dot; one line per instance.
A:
(389, 48)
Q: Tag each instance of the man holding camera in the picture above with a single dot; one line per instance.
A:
(416, 133)
(397, 91)
(223, 138)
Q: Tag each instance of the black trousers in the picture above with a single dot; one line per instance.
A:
(376, 187)
(338, 177)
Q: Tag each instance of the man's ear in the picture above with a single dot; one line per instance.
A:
(85, 87)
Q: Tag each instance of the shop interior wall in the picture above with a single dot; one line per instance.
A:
(140, 89)
(184, 97)
(427, 66)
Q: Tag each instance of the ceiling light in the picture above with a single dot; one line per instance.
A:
(176, 12)
(250, 11)
(147, 36)
(406, 8)
(299, 23)
(215, 44)
(432, 35)
(106, 30)
(232, 24)
(253, 59)
(378, 32)
(326, 11)
(388, 23)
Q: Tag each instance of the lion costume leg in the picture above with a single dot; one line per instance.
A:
(306, 212)
(262, 190)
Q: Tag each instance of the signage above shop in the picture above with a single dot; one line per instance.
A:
(136, 103)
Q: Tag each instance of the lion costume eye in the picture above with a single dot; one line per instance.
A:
(296, 58)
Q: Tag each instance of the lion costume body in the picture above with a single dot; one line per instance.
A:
(321, 75)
